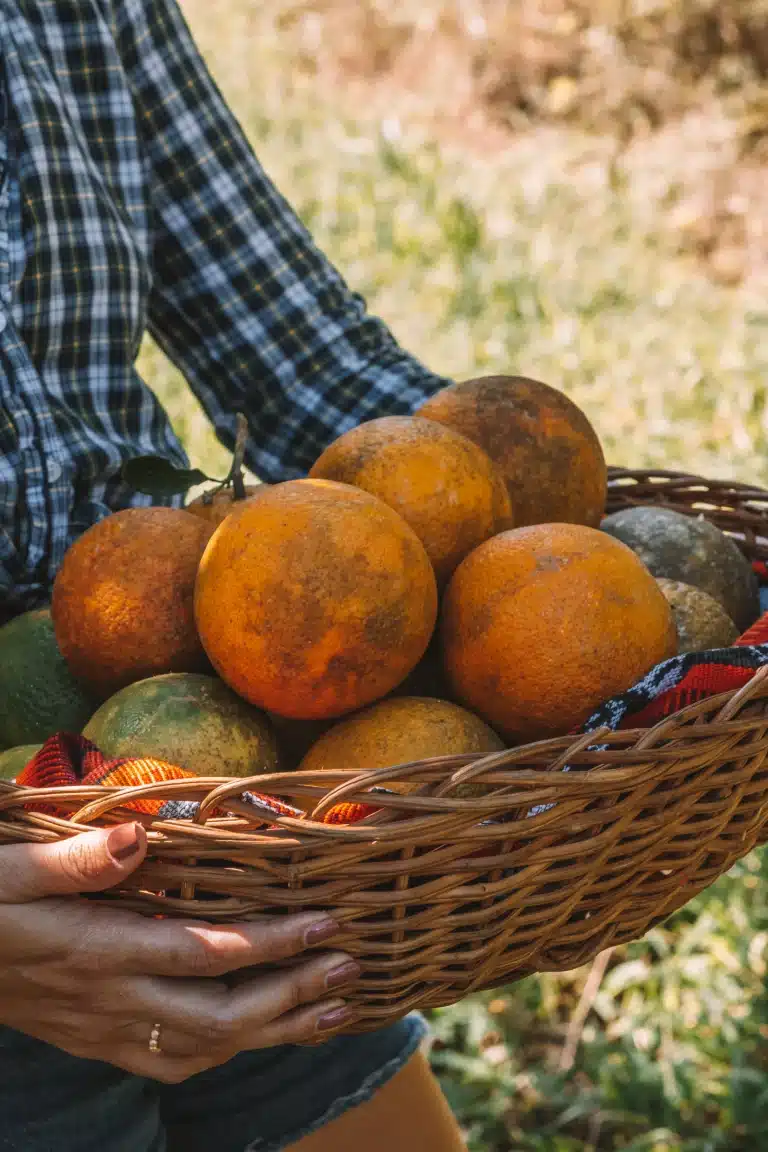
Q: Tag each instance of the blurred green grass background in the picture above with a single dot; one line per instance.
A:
(567, 191)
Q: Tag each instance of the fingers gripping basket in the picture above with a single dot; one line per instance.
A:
(439, 897)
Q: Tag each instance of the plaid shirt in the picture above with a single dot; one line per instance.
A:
(131, 200)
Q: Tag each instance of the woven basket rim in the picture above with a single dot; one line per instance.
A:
(625, 760)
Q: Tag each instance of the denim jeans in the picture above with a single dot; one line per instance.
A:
(258, 1102)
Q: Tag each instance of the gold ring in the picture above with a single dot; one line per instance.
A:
(154, 1039)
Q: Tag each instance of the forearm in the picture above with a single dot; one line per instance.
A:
(296, 407)
(254, 315)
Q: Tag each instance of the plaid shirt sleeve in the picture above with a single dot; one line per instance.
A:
(243, 302)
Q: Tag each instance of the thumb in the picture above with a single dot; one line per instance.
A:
(89, 862)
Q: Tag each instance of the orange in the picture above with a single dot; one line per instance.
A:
(122, 602)
(543, 443)
(441, 483)
(542, 624)
(398, 731)
(315, 599)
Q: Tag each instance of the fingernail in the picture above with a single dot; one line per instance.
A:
(123, 841)
(333, 1018)
(318, 933)
(344, 974)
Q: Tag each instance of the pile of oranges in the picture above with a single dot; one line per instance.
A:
(438, 583)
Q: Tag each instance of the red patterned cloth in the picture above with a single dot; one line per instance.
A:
(348, 813)
(757, 634)
(68, 759)
(685, 680)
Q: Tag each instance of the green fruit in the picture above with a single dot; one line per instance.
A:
(690, 549)
(38, 694)
(701, 622)
(14, 759)
(188, 719)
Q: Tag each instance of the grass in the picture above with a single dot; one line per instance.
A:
(542, 253)
(542, 258)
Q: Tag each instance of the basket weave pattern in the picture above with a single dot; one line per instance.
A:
(439, 897)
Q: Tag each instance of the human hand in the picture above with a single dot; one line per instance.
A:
(94, 979)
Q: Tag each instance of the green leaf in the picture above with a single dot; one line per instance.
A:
(156, 476)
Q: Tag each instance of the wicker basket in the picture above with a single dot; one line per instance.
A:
(434, 902)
